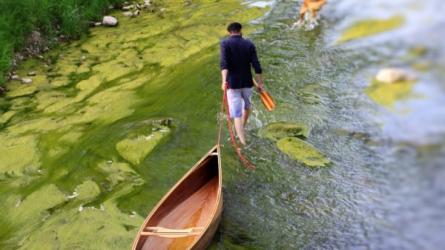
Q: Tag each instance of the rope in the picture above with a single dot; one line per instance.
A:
(225, 105)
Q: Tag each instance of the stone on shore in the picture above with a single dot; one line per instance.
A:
(128, 7)
(127, 13)
(131, 13)
(26, 80)
(15, 77)
(147, 3)
(109, 21)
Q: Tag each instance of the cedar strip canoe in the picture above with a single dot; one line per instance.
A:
(189, 214)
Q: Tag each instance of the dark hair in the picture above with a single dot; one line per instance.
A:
(234, 27)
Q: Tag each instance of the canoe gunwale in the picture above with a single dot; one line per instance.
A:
(214, 215)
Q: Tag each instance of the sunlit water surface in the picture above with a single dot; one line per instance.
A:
(385, 188)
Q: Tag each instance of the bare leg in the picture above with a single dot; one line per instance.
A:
(246, 114)
(303, 10)
(239, 128)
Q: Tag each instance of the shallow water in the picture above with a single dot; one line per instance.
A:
(64, 174)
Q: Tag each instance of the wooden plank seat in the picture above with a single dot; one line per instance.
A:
(172, 233)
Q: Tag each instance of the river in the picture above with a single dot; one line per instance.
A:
(113, 120)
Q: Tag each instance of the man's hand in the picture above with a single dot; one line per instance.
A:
(223, 86)
(260, 86)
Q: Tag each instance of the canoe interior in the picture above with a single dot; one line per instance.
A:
(191, 204)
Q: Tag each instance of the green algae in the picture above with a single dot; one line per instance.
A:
(18, 154)
(303, 152)
(88, 190)
(94, 94)
(388, 94)
(105, 107)
(92, 228)
(27, 213)
(370, 27)
(71, 136)
(118, 172)
(5, 117)
(278, 130)
(135, 149)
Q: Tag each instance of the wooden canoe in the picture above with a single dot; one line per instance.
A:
(189, 214)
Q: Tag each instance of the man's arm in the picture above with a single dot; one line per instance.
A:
(256, 66)
(224, 78)
(224, 65)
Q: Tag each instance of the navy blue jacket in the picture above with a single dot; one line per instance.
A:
(237, 56)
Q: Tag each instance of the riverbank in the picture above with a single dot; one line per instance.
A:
(29, 28)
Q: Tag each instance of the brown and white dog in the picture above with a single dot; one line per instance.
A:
(311, 7)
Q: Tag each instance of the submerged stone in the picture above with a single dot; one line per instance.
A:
(418, 51)
(370, 27)
(422, 66)
(278, 130)
(302, 152)
(388, 94)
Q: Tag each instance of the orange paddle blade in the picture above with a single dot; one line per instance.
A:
(267, 100)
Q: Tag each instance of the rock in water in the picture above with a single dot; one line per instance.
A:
(32, 73)
(302, 152)
(278, 130)
(392, 75)
(109, 21)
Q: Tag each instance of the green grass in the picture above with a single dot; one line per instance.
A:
(18, 18)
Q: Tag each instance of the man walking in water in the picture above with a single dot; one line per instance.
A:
(238, 55)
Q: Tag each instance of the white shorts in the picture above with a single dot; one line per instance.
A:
(238, 99)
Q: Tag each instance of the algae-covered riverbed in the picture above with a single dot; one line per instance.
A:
(112, 121)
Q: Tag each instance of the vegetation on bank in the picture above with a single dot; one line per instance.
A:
(51, 18)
